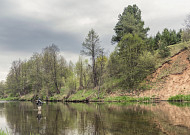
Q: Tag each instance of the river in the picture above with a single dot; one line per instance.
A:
(22, 118)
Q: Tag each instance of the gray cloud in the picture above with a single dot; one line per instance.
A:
(31, 35)
(27, 26)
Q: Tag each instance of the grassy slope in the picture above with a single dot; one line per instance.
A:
(174, 49)
(92, 95)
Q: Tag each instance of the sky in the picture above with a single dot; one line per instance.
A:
(28, 26)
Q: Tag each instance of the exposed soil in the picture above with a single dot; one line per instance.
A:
(172, 78)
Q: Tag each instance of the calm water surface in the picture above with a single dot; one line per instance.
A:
(22, 118)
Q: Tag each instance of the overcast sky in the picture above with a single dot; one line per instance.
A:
(27, 26)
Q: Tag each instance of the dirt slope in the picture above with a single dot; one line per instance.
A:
(172, 78)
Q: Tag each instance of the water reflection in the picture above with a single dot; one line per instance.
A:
(97, 119)
(39, 115)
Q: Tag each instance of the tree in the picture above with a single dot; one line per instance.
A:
(130, 22)
(164, 50)
(166, 36)
(14, 78)
(79, 70)
(185, 34)
(101, 60)
(2, 89)
(50, 63)
(130, 48)
(36, 74)
(187, 22)
(91, 48)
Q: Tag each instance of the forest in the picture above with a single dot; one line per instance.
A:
(135, 57)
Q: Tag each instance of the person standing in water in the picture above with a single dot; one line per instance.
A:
(39, 104)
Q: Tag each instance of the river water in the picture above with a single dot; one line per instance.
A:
(23, 118)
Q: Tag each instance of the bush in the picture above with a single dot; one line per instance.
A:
(3, 132)
(164, 51)
(180, 98)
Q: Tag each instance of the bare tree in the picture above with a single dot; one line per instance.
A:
(187, 22)
(91, 48)
(186, 32)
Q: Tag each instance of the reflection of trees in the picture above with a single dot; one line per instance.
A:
(2, 105)
(65, 119)
(173, 120)
(18, 119)
(113, 119)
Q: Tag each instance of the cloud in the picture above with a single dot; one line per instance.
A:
(28, 26)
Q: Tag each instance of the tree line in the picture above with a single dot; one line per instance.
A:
(48, 73)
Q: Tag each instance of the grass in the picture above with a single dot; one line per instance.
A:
(9, 99)
(93, 96)
(175, 68)
(179, 98)
(84, 94)
(27, 97)
(57, 97)
(3, 132)
(174, 49)
(127, 99)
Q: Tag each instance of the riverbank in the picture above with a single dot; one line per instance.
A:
(92, 96)
(84, 96)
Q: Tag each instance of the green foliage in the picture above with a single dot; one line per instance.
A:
(7, 133)
(131, 62)
(164, 39)
(83, 94)
(164, 51)
(43, 74)
(130, 22)
(2, 89)
(2, 132)
(9, 99)
(130, 48)
(146, 65)
(174, 49)
(180, 98)
(92, 48)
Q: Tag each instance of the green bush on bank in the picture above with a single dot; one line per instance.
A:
(3, 132)
(179, 98)
(10, 99)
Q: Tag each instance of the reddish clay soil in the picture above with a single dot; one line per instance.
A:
(175, 82)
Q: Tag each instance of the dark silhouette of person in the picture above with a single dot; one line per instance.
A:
(39, 104)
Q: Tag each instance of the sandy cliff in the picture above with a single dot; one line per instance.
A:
(172, 78)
